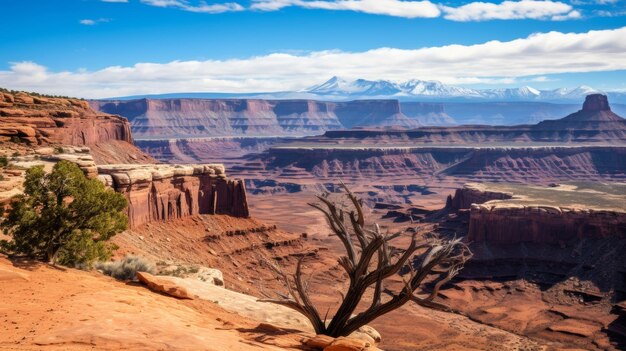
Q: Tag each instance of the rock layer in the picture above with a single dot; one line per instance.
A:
(201, 117)
(165, 192)
(540, 165)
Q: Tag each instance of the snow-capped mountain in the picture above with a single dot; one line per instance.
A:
(567, 94)
(435, 88)
(523, 93)
(340, 88)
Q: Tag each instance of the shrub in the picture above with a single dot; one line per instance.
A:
(127, 268)
(4, 161)
(59, 150)
(63, 217)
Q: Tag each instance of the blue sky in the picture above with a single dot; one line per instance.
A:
(97, 48)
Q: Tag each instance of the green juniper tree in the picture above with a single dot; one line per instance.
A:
(63, 217)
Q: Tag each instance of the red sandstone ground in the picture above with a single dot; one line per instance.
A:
(48, 308)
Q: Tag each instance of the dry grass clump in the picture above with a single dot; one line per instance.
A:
(127, 268)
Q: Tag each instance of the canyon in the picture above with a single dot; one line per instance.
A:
(551, 251)
(546, 220)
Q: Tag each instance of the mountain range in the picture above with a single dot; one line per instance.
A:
(341, 89)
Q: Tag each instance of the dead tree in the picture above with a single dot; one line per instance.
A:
(369, 261)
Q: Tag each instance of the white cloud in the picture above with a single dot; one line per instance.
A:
(571, 15)
(604, 13)
(542, 79)
(92, 22)
(200, 7)
(508, 10)
(474, 11)
(494, 61)
(397, 8)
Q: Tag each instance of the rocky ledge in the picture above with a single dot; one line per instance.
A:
(158, 192)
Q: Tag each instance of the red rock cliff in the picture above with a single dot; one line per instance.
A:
(542, 224)
(511, 223)
(44, 120)
(36, 120)
(196, 117)
(164, 192)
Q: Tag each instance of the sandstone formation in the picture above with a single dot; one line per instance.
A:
(12, 176)
(46, 120)
(165, 192)
(184, 118)
(542, 224)
(595, 116)
(47, 156)
(35, 120)
(465, 197)
(495, 218)
(163, 285)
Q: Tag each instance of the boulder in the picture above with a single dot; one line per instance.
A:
(45, 151)
(106, 179)
(11, 112)
(347, 344)
(80, 103)
(66, 114)
(163, 285)
(369, 332)
(319, 341)
(40, 101)
(23, 98)
(8, 97)
(575, 327)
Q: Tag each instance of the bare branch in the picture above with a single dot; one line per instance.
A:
(437, 260)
